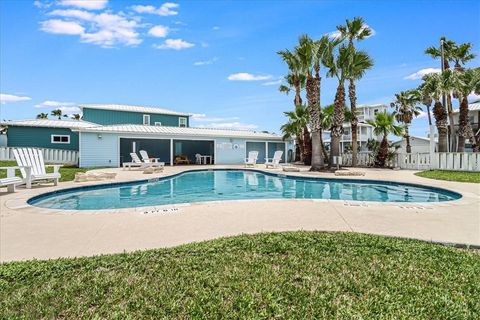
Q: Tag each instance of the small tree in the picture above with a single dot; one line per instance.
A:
(42, 116)
(57, 113)
(383, 125)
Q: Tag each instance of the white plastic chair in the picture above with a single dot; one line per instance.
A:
(275, 161)
(198, 158)
(33, 158)
(252, 159)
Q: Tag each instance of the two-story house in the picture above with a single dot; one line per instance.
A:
(364, 130)
(108, 133)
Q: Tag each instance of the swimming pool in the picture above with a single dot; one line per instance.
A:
(223, 184)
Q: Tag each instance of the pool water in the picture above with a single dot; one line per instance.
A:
(215, 185)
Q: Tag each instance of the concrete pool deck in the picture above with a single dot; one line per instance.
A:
(28, 232)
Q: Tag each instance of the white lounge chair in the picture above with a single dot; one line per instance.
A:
(136, 162)
(147, 159)
(33, 158)
(275, 161)
(11, 181)
(252, 159)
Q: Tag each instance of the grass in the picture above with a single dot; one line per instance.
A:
(67, 172)
(292, 275)
(459, 176)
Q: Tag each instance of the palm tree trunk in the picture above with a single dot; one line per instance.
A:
(307, 147)
(299, 148)
(315, 127)
(382, 153)
(354, 121)
(336, 129)
(465, 130)
(453, 134)
(324, 150)
(440, 115)
(407, 138)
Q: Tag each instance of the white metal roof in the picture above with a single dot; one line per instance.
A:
(377, 105)
(49, 123)
(189, 131)
(131, 108)
(474, 106)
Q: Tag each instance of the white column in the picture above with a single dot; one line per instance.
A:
(171, 152)
(286, 152)
(266, 149)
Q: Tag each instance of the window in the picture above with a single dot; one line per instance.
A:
(158, 124)
(375, 111)
(182, 122)
(146, 119)
(57, 138)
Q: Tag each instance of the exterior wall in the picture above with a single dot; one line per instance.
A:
(105, 151)
(3, 140)
(418, 145)
(40, 137)
(99, 152)
(109, 117)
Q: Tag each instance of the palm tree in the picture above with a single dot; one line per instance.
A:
(296, 75)
(466, 81)
(307, 53)
(406, 108)
(360, 62)
(450, 49)
(76, 116)
(432, 90)
(57, 113)
(42, 115)
(384, 124)
(297, 121)
(461, 54)
(338, 68)
(355, 29)
(297, 81)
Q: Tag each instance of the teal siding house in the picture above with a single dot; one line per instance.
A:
(108, 133)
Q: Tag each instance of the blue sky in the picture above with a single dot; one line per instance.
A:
(215, 59)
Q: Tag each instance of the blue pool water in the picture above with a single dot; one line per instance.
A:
(213, 185)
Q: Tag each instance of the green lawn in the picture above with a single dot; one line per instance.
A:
(293, 275)
(460, 176)
(67, 172)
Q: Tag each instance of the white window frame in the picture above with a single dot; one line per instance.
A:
(61, 136)
(180, 120)
(145, 117)
(158, 124)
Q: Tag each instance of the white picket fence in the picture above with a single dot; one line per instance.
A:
(454, 161)
(56, 156)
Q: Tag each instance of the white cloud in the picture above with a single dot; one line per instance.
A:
(7, 98)
(421, 73)
(205, 62)
(201, 117)
(85, 4)
(62, 27)
(70, 110)
(104, 29)
(423, 114)
(232, 125)
(166, 9)
(73, 13)
(42, 5)
(244, 76)
(53, 103)
(158, 31)
(216, 28)
(272, 83)
(176, 44)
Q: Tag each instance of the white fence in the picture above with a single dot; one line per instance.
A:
(454, 161)
(56, 156)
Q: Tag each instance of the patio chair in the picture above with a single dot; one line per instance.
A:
(147, 159)
(33, 158)
(252, 159)
(181, 160)
(275, 161)
(198, 158)
(136, 162)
